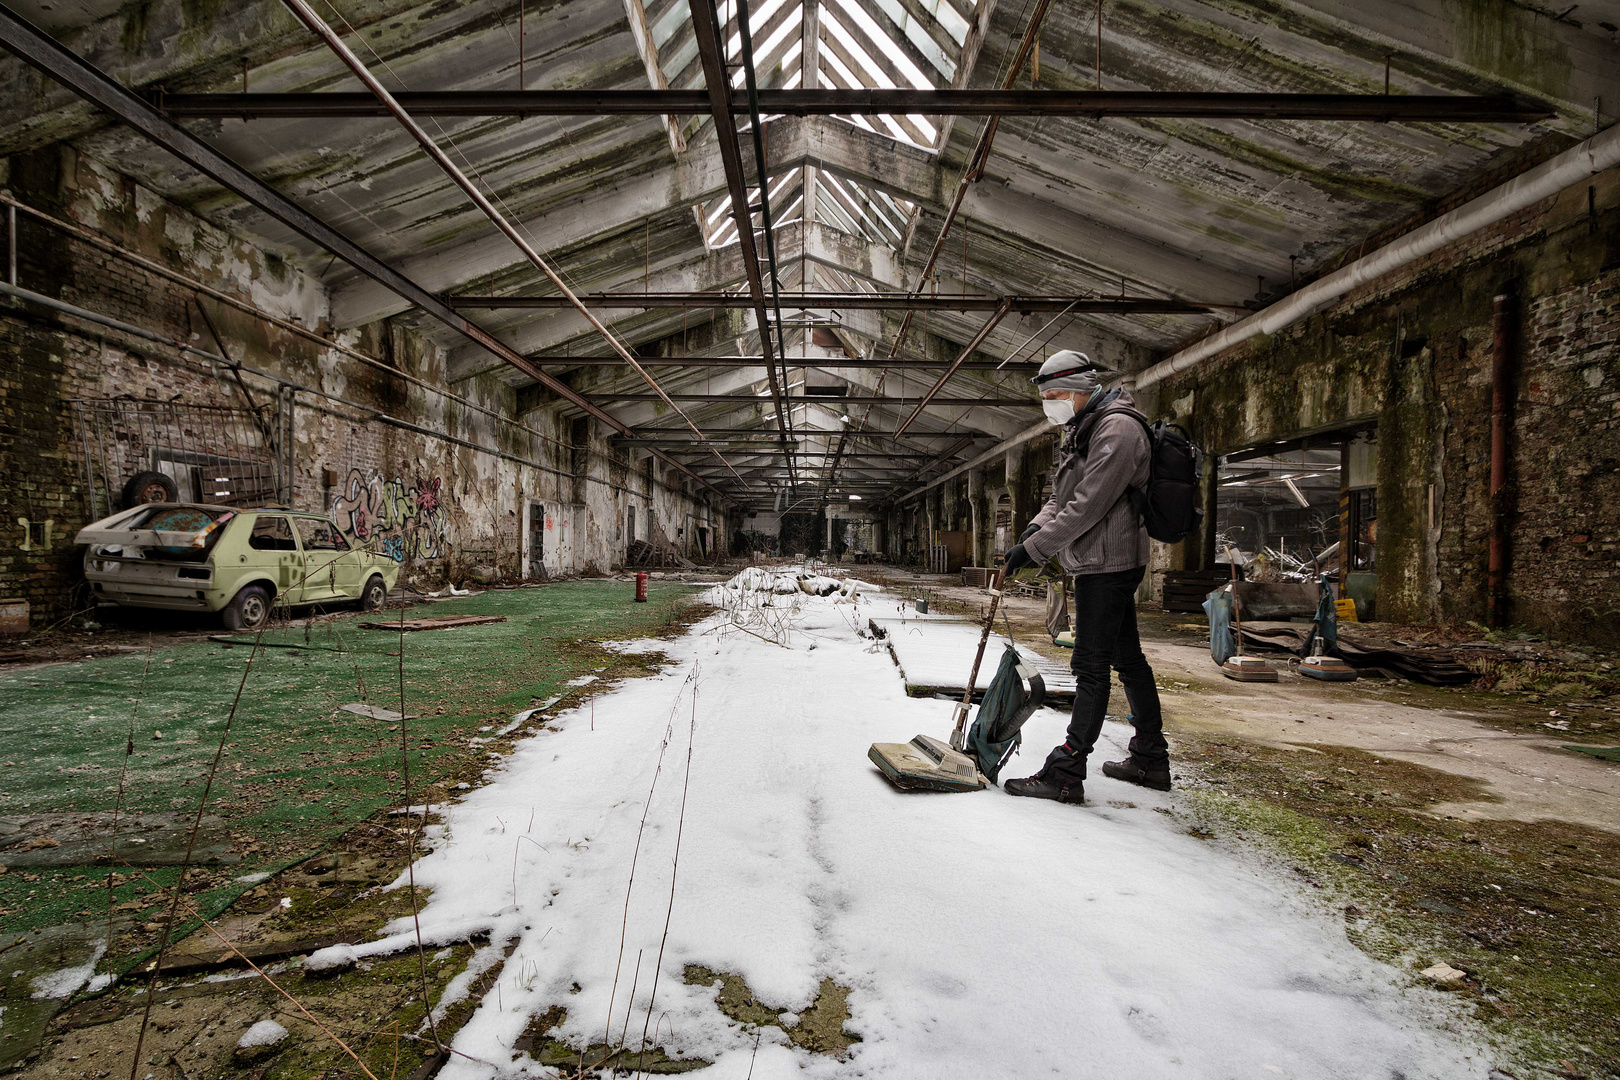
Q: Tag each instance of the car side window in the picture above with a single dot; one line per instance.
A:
(271, 533)
(320, 535)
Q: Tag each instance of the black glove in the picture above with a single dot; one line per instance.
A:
(1017, 558)
(1028, 532)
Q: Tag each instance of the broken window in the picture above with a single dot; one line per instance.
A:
(319, 534)
(1277, 510)
(271, 533)
(1364, 529)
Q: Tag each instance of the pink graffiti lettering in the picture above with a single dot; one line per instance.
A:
(402, 522)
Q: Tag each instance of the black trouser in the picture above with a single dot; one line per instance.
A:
(1104, 636)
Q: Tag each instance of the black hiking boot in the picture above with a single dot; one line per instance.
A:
(1040, 787)
(1061, 779)
(1133, 771)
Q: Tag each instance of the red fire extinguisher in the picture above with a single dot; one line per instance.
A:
(641, 588)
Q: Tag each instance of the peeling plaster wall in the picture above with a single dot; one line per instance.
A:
(1411, 354)
(442, 508)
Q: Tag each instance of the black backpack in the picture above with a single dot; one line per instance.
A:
(1169, 507)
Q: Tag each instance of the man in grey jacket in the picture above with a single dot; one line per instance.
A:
(1091, 526)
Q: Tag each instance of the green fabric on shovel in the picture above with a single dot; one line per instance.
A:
(995, 732)
(1607, 753)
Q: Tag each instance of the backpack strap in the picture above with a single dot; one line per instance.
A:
(1137, 496)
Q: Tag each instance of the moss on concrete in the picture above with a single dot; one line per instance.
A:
(818, 1029)
(1530, 910)
(536, 1041)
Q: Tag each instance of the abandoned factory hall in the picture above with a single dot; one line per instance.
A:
(518, 518)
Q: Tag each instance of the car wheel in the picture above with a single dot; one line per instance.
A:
(149, 487)
(375, 594)
(248, 609)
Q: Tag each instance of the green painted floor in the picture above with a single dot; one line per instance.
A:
(296, 772)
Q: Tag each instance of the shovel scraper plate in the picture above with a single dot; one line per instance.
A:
(926, 764)
(1327, 668)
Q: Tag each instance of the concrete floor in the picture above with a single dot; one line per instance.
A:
(1528, 777)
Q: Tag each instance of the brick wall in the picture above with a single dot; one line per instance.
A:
(1411, 353)
(441, 505)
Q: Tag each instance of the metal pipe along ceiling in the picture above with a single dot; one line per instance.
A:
(1595, 155)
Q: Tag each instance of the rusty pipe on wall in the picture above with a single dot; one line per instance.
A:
(1504, 357)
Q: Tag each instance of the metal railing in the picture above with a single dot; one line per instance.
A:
(213, 454)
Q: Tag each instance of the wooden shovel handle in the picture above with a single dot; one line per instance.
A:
(978, 658)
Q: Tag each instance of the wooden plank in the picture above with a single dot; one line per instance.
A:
(441, 623)
(935, 653)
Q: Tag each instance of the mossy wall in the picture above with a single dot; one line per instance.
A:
(443, 506)
(1411, 355)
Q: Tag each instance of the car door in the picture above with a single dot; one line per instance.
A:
(332, 568)
(275, 551)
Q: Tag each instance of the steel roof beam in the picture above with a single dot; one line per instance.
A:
(818, 399)
(710, 36)
(824, 432)
(1116, 305)
(1093, 104)
(42, 52)
(1014, 367)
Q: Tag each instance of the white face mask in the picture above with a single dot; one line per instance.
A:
(1058, 410)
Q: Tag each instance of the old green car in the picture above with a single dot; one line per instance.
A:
(240, 563)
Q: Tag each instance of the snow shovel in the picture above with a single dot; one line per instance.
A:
(1324, 635)
(1239, 667)
(926, 763)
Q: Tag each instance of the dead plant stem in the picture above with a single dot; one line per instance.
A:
(630, 1006)
(123, 775)
(675, 866)
(635, 855)
(416, 829)
(191, 843)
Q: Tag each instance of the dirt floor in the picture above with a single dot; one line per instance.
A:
(1449, 825)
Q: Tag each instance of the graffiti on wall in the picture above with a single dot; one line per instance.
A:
(392, 517)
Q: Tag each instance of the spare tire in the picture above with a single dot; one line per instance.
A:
(149, 487)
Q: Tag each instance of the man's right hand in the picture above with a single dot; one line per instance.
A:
(1028, 532)
(1016, 559)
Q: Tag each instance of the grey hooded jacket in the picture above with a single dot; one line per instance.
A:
(1089, 523)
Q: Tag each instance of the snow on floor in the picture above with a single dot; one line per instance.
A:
(980, 934)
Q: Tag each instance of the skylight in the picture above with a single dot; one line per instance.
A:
(861, 44)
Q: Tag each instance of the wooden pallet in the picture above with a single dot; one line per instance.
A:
(1185, 590)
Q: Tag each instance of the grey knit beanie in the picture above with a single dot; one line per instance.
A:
(1069, 370)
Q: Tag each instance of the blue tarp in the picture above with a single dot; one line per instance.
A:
(1218, 606)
